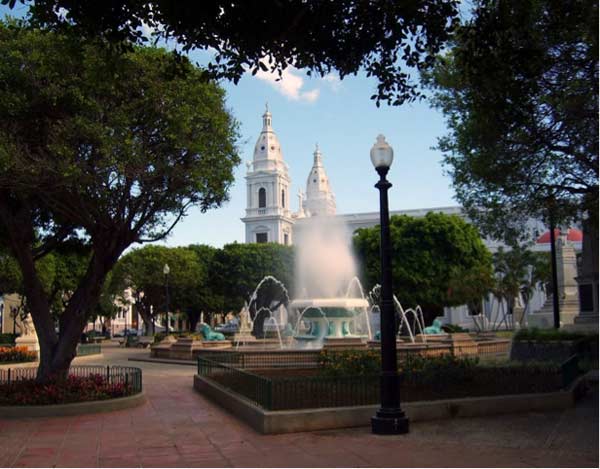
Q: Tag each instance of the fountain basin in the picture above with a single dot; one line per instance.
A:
(328, 317)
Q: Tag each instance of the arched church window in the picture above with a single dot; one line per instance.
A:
(262, 198)
(283, 198)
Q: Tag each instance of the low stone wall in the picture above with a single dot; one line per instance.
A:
(288, 421)
(78, 408)
(456, 344)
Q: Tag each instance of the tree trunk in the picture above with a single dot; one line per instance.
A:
(57, 352)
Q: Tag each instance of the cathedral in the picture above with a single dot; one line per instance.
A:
(269, 217)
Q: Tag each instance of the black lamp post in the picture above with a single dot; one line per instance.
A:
(166, 271)
(389, 419)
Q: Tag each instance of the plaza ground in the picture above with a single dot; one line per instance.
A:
(178, 427)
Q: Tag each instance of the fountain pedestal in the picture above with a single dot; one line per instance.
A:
(329, 318)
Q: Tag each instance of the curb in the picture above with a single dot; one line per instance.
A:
(77, 408)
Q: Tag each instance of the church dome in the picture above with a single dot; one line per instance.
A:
(319, 197)
(574, 235)
(267, 151)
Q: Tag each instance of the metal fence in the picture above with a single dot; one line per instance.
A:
(129, 376)
(282, 392)
(88, 349)
(256, 388)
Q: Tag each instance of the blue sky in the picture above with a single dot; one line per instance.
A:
(342, 118)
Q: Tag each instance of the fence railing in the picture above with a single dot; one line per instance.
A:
(275, 392)
(88, 349)
(256, 388)
(129, 376)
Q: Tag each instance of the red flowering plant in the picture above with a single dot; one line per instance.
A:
(16, 355)
(93, 387)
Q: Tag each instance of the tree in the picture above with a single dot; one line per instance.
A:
(384, 38)
(142, 271)
(430, 254)
(519, 271)
(238, 269)
(110, 149)
(519, 89)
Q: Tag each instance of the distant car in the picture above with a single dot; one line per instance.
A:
(229, 328)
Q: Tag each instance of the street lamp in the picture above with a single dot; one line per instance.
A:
(166, 271)
(389, 419)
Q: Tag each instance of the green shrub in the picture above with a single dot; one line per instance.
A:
(7, 338)
(368, 362)
(350, 362)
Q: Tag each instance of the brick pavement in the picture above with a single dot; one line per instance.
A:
(179, 428)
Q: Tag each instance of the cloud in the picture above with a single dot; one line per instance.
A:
(291, 85)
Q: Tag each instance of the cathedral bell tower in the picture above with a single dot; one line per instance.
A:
(268, 216)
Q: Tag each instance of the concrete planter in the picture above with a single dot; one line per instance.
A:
(77, 408)
(289, 421)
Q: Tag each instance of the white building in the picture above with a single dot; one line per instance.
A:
(268, 215)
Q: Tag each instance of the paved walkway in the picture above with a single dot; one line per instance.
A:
(178, 427)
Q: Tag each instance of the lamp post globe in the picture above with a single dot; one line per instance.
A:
(382, 154)
(389, 419)
(166, 271)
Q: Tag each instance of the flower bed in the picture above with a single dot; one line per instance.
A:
(16, 355)
(18, 386)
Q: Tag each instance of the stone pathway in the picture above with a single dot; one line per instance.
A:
(179, 428)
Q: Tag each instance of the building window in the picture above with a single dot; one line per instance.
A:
(261, 237)
(262, 198)
(283, 198)
(286, 239)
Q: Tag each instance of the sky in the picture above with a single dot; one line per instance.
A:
(340, 116)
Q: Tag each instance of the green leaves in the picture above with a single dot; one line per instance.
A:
(434, 258)
(519, 92)
(383, 38)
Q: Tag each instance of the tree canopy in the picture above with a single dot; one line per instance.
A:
(519, 89)
(384, 38)
(238, 269)
(430, 254)
(188, 281)
(110, 149)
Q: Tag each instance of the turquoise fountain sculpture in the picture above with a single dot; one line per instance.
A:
(328, 317)
(210, 335)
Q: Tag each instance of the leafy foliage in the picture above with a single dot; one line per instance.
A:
(519, 90)
(238, 268)
(430, 256)
(142, 270)
(384, 38)
(106, 149)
